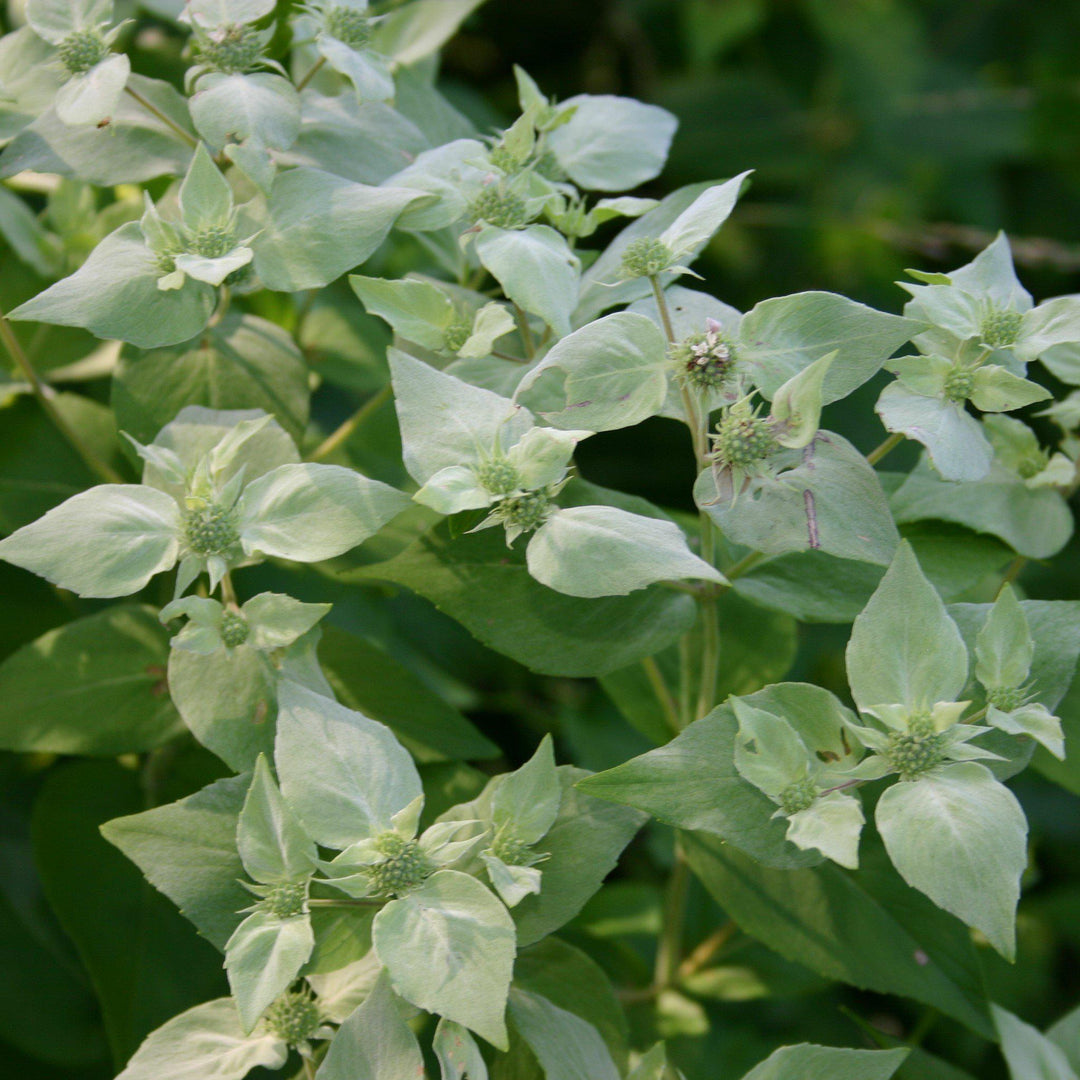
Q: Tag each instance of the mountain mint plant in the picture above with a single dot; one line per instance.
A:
(280, 705)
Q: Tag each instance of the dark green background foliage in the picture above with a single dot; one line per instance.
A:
(885, 134)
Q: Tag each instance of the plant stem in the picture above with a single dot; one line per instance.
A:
(745, 564)
(309, 1069)
(669, 947)
(526, 332)
(228, 591)
(167, 121)
(890, 444)
(321, 903)
(312, 72)
(708, 949)
(663, 693)
(1012, 573)
(336, 438)
(45, 395)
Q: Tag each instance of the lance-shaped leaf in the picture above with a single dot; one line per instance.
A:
(594, 551)
(272, 843)
(319, 225)
(960, 836)
(528, 799)
(809, 1062)
(1004, 647)
(697, 224)
(115, 295)
(567, 1047)
(346, 775)
(612, 373)
(781, 336)
(108, 541)
(417, 310)
(206, 1041)
(374, 1042)
(1030, 1054)
(458, 1055)
(308, 512)
(449, 948)
(536, 269)
(904, 648)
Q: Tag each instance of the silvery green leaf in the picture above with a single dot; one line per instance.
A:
(697, 224)
(263, 958)
(809, 1062)
(991, 274)
(107, 541)
(542, 455)
(536, 269)
(1064, 362)
(512, 883)
(1054, 322)
(277, 620)
(603, 551)
(54, 20)
(450, 174)
(202, 632)
(611, 373)
(367, 70)
(904, 648)
(492, 322)
(1034, 720)
(612, 143)
(768, 751)
(449, 948)
(346, 775)
(272, 843)
(415, 31)
(25, 234)
(826, 498)
(953, 438)
(92, 96)
(459, 1056)
(454, 489)
(527, 800)
(446, 422)
(309, 512)
(213, 271)
(115, 295)
(998, 390)
(567, 1047)
(654, 1066)
(319, 225)
(374, 1042)
(924, 375)
(1004, 647)
(952, 316)
(1030, 1054)
(781, 336)
(206, 199)
(207, 1040)
(234, 108)
(832, 825)
(30, 81)
(211, 13)
(960, 837)
(797, 404)
(417, 310)
(340, 991)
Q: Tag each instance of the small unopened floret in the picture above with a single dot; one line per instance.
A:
(1000, 327)
(525, 512)
(645, 257)
(742, 440)
(503, 209)
(347, 25)
(81, 50)
(798, 796)
(286, 901)
(959, 383)
(920, 748)
(232, 49)
(294, 1018)
(234, 629)
(211, 530)
(404, 866)
(498, 476)
(1006, 698)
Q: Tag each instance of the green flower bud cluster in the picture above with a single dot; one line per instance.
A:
(234, 629)
(286, 901)
(1000, 327)
(645, 257)
(743, 440)
(512, 851)
(404, 866)
(211, 530)
(503, 209)
(213, 241)
(457, 333)
(959, 383)
(294, 1018)
(232, 49)
(498, 476)
(704, 361)
(920, 748)
(798, 796)
(82, 49)
(347, 25)
(527, 511)
(501, 159)
(1006, 698)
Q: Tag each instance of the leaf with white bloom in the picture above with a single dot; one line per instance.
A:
(449, 947)
(996, 389)
(272, 843)
(781, 336)
(1004, 647)
(367, 70)
(697, 224)
(206, 199)
(447, 173)
(1055, 322)
(527, 800)
(418, 310)
(492, 322)
(206, 1041)
(309, 512)
(953, 438)
(542, 455)
(319, 225)
(959, 836)
(797, 404)
(454, 489)
(809, 1062)
(211, 13)
(536, 269)
(1034, 720)
(277, 620)
(512, 883)
(612, 143)
(347, 776)
(832, 825)
(904, 648)
(92, 96)
(108, 541)
(446, 422)
(603, 551)
(115, 295)
(213, 271)
(374, 1043)
(1030, 1054)
(458, 1055)
(414, 31)
(611, 373)
(263, 958)
(235, 108)
(54, 20)
(768, 751)
(567, 1047)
